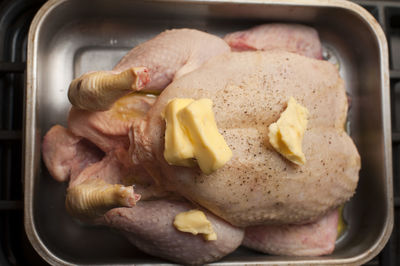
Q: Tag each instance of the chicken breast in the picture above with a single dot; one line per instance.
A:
(258, 186)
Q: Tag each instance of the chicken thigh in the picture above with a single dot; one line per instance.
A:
(149, 226)
(311, 239)
(295, 38)
(168, 56)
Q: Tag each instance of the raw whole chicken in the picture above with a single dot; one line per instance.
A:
(124, 181)
(249, 91)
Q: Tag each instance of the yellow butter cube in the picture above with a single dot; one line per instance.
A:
(195, 222)
(286, 135)
(178, 150)
(210, 148)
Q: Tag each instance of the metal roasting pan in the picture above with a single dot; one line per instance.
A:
(68, 38)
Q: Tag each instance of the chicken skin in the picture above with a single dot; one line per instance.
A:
(112, 151)
(258, 186)
(295, 38)
(149, 67)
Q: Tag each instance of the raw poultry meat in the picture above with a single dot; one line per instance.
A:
(297, 240)
(317, 238)
(168, 56)
(148, 225)
(109, 130)
(250, 90)
(295, 38)
(97, 142)
(172, 54)
(66, 154)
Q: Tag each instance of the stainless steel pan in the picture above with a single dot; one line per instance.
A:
(68, 38)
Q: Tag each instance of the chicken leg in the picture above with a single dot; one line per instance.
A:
(97, 91)
(149, 226)
(168, 56)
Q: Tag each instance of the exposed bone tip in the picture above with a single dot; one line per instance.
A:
(98, 91)
(94, 198)
(143, 77)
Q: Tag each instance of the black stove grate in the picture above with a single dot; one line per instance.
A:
(15, 18)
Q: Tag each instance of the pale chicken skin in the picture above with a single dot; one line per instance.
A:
(73, 158)
(109, 130)
(311, 239)
(149, 67)
(172, 54)
(149, 226)
(67, 155)
(295, 38)
(258, 186)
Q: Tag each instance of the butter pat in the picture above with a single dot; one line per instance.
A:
(178, 148)
(210, 148)
(192, 132)
(286, 135)
(195, 222)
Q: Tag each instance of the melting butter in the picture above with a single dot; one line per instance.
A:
(286, 135)
(125, 108)
(195, 222)
(192, 132)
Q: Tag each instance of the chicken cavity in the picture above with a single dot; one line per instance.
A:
(67, 155)
(109, 130)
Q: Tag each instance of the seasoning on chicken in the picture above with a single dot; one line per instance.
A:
(258, 186)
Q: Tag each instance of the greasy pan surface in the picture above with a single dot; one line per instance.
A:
(68, 38)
